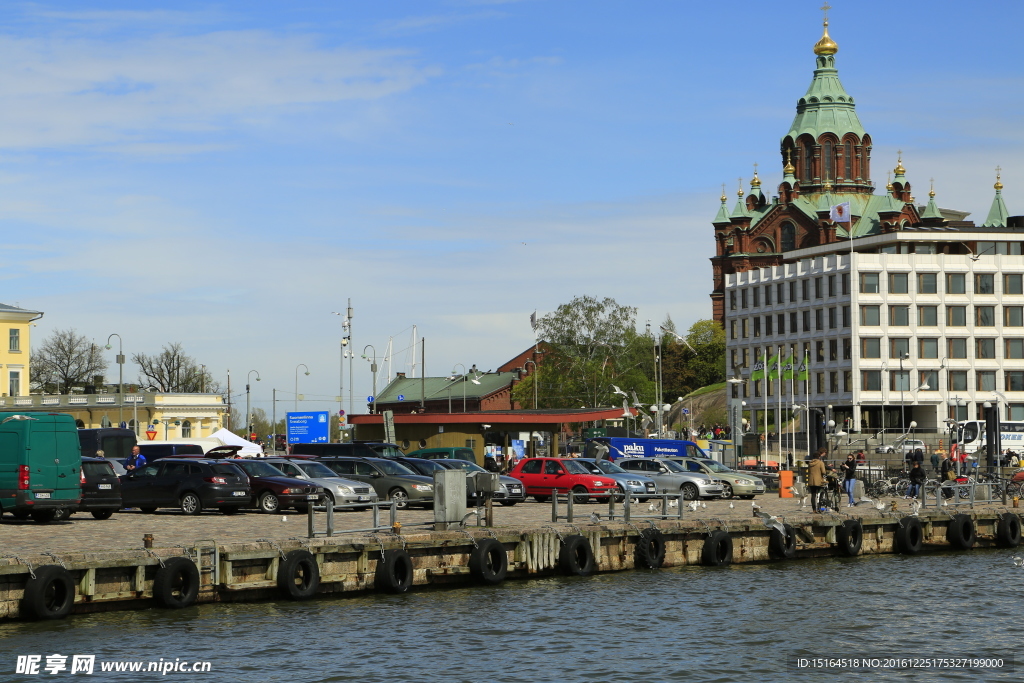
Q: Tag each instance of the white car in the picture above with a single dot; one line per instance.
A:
(905, 446)
(340, 490)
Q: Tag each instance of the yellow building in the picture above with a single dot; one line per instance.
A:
(14, 367)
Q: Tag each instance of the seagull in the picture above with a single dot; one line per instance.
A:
(673, 503)
(284, 518)
(1018, 561)
(704, 505)
(620, 392)
(804, 501)
(755, 507)
(595, 518)
(18, 417)
(693, 506)
(636, 401)
(771, 522)
(879, 505)
(651, 507)
(731, 506)
(915, 507)
(471, 513)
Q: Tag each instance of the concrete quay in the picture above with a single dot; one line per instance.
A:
(242, 557)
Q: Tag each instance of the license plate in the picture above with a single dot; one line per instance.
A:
(103, 486)
(42, 495)
(238, 493)
(363, 499)
(312, 496)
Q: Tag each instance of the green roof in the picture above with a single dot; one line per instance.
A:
(998, 214)
(826, 107)
(864, 208)
(434, 388)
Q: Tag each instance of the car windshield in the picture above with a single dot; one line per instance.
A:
(715, 466)
(673, 466)
(259, 469)
(576, 467)
(427, 464)
(388, 451)
(389, 467)
(608, 467)
(464, 465)
(315, 469)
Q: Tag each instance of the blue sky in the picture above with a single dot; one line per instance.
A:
(226, 175)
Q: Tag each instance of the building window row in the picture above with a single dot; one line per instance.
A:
(816, 320)
(821, 287)
(956, 380)
(928, 283)
(983, 348)
(955, 316)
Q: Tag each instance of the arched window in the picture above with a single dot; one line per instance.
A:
(808, 171)
(829, 161)
(788, 237)
(848, 161)
(186, 429)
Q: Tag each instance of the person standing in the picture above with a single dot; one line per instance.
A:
(135, 460)
(916, 480)
(935, 462)
(947, 472)
(816, 478)
(849, 469)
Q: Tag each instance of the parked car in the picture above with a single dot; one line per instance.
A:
(637, 484)
(340, 491)
(905, 446)
(447, 453)
(273, 490)
(356, 449)
(115, 443)
(541, 475)
(101, 490)
(155, 451)
(391, 480)
(733, 483)
(40, 465)
(191, 485)
(670, 476)
(510, 492)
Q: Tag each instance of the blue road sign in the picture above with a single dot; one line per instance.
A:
(369, 399)
(686, 411)
(401, 397)
(308, 427)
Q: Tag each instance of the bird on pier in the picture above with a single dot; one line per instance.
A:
(693, 506)
(915, 507)
(652, 507)
(673, 503)
(755, 507)
(879, 505)
(704, 505)
(284, 518)
(469, 515)
(595, 518)
(804, 501)
(731, 506)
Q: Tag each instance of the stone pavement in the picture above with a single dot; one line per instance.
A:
(169, 528)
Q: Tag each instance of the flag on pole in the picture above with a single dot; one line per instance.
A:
(773, 366)
(787, 367)
(758, 372)
(803, 373)
(533, 321)
(840, 213)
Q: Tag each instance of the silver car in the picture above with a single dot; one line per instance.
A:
(341, 491)
(510, 490)
(638, 485)
(670, 477)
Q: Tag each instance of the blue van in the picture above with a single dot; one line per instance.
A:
(615, 447)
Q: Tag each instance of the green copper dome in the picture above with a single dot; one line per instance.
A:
(826, 107)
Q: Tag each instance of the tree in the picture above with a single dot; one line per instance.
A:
(172, 371)
(687, 370)
(591, 345)
(64, 360)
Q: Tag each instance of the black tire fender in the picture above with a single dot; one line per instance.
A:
(782, 546)
(394, 572)
(488, 562)
(1008, 532)
(576, 557)
(909, 536)
(850, 537)
(298, 575)
(177, 583)
(50, 595)
(960, 533)
(717, 551)
(650, 549)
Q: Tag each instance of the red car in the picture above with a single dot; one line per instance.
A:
(540, 475)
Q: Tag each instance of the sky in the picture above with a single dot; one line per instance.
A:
(228, 175)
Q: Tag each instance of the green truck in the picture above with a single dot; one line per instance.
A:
(40, 465)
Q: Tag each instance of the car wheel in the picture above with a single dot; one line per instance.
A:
(400, 497)
(102, 514)
(63, 514)
(509, 503)
(328, 500)
(190, 504)
(580, 495)
(542, 499)
(269, 503)
(43, 516)
(689, 491)
(148, 511)
(726, 490)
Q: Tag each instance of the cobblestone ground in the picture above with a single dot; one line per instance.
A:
(169, 528)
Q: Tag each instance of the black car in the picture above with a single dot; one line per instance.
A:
(101, 490)
(273, 490)
(188, 484)
(155, 451)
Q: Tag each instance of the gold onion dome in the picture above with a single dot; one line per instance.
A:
(931, 194)
(826, 46)
(899, 170)
(789, 169)
(999, 183)
(755, 182)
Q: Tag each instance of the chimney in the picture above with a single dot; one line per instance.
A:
(399, 375)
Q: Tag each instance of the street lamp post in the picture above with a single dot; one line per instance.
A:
(373, 369)
(120, 379)
(248, 413)
(904, 381)
(464, 373)
(535, 378)
(300, 365)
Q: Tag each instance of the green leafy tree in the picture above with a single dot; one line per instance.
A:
(687, 369)
(591, 345)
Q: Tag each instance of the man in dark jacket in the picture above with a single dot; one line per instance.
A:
(916, 480)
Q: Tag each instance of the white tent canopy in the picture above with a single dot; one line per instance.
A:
(249, 449)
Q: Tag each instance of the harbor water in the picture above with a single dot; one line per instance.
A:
(738, 623)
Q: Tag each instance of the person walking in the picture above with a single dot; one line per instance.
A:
(816, 478)
(916, 480)
(849, 469)
(935, 462)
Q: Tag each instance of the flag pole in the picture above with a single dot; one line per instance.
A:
(764, 394)
(778, 411)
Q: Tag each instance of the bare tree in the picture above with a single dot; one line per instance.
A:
(66, 359)
(173, 371)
